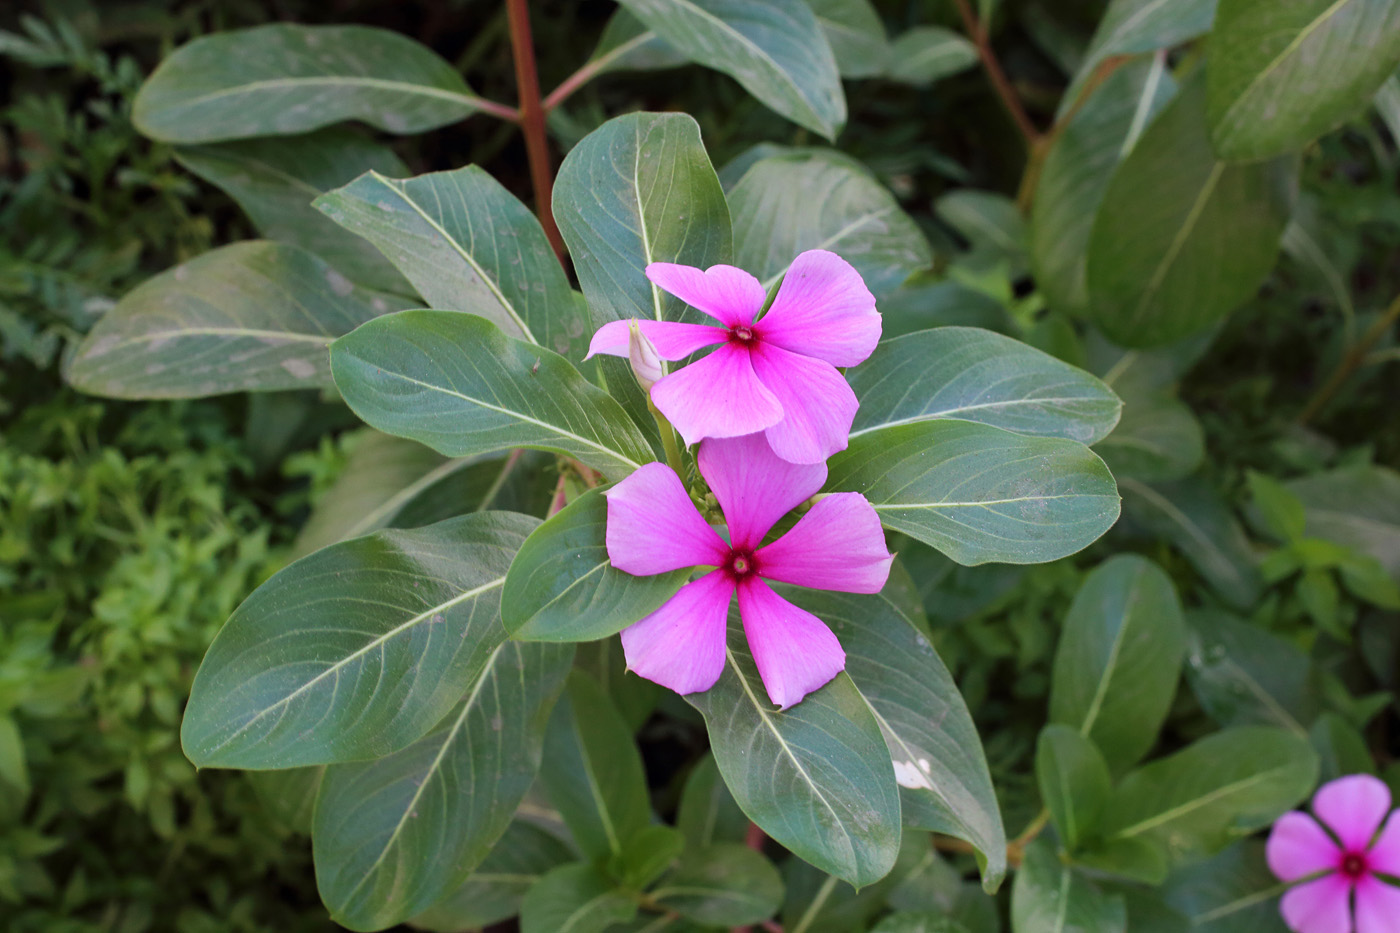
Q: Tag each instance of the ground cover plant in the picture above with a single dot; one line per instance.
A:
(824, 466)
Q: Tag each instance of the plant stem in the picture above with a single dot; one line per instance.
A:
(501, 111)
(668, 440)
(1351, 361)
(591, 69)
(527, 82)
(815, 907)
(1000, 82)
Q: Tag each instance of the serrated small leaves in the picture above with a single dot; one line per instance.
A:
(456, 383)
(355, 651)
(467, 244)
(776, 50)
(977, 375)
(563, 587)
(1119, 658)
(253, 316)
(396, 835)
(818, 199)
(979, 493)
(284, 79)
(815, 777)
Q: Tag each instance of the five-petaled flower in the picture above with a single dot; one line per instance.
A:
(776, 374)
(1331, 871)
(653, 527)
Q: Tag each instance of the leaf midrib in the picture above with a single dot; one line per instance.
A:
(1196, 803)
(384, 84)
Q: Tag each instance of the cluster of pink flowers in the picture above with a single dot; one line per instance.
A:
(767, 407)
(1337, 867)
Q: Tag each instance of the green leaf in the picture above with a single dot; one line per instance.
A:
(289, 795)
(976, 375)
(1048, 896)
(389, 482)
(456, 383)
(1282, 74)
(1074, 782)
(646, 855)
(992, 225)
(275, 180)
(776, 50)
(1215, 790)
(1192, 516)
(918, 922)
(253, 316)
(637, 190)
(1076, 174)
(1231, 892)
(1119, 658)
(627, 45)
(815, 199)
(562, 587)
(1158, 439)
(925, 54)
(593, 771)
(1279, 507)
(1244, 675)
(493, 891)
(1358, 507)
(1148, 913)
(1134, 858)
(606, 662)
(815, 777)
(708, 814)
(1341, 748)
(14, 770)
(467, 244)
(856, 35)
(396, 835)
(285, 79)
(936, 886)
(1182, 237)
(978, 493)
(938, 759)
(1133, 27)
(727, 885)
(575, 898)
(355, 651)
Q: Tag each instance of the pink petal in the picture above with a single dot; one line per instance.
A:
(1377, 906)
(725, 293)
(718, 396)
(1385, 851)
(672, 341)
(653, 527)
(794, 650)
(1353, 807)
(1320, 906)
(823, 309)
(818, 404)
(754, 486)
(681, 645)
(1298, 847)
(838, 545)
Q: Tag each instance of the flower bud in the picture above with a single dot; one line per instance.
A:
(646, 363)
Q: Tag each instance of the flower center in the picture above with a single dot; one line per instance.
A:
(742, 334)
(741, 564)
(1354, 865)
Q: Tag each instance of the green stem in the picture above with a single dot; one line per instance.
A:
(1351, 362)
(815, 907)
(668, 440)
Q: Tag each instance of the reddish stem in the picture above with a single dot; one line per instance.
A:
(998, 77)
(527, 81)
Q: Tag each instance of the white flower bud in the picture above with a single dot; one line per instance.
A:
(646, 363)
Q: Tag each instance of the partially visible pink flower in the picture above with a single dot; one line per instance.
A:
(653, 527)
(1333, 866)
(776, 374)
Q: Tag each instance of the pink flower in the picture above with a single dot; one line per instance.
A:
(653, 527)
(1337, 864)
(776, 374)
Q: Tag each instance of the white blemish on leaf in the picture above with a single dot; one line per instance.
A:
(302, 369)
(913, 776)
(339, 283)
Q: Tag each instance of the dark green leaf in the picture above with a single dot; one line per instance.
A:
(275, 180)
(919, 922)
(593, 772)
(626, 45)
(776, 50)
(727, 884)
(562, 587)
(708, 813)
(1119, 658)
(254, 316)
(1132, 27)
(1134, 858)
(1232, 892)
(467, 244)
(1243, 675)
(1049, 897)
(1358, 507)
(1182, 237)
(991, 224)
(289, 795)
(1281, 74)
(286, 79)
(978, 493)
(856, 35)
(574, 898)
(395, 836)
(456, 383)
(1074, 782)
(976, 375)
(1158, 439)
(646, 855)
(815, 777)
(925, 54)
(355, 651)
